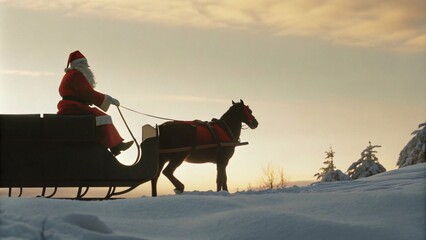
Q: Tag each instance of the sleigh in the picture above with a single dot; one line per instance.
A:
(56, 151)
(53, 151)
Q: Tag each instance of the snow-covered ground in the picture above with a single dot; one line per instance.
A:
(390, 205)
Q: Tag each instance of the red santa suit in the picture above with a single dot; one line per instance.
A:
(77, 96)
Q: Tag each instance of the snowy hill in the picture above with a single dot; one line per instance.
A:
(390, 205)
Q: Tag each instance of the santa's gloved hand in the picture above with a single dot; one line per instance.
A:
(115, 102)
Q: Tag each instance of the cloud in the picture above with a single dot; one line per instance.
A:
(387, 24)
(26, 73)
(417, 42)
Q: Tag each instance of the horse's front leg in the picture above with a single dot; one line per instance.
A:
(224, 182)
(221, 178)
(222, 162)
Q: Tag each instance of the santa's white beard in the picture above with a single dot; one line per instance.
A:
(87, 72)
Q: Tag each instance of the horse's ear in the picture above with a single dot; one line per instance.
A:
(233, 103)
(242, 101)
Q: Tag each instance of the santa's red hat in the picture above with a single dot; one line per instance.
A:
(75, 57)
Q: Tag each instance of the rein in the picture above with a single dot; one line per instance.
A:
(134, 139)
(145, 114)
(152, 116)
(128, 128)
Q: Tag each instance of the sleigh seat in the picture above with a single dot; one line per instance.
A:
(53, 151)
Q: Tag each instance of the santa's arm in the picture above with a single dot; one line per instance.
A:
(91, 96)
(108, 100)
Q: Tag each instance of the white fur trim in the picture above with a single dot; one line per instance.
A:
(106, 103)
(103, 120)
(77, 61)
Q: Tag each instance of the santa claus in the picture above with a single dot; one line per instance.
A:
(78, 94)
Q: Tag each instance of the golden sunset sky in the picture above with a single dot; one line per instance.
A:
(316, 74)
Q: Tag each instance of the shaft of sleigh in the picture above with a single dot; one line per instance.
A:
(206, 146)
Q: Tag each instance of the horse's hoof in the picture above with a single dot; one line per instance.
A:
(177, 191)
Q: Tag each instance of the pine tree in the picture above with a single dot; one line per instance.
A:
(415, 150)
(367, 165)
(329, 173)
(329, 164)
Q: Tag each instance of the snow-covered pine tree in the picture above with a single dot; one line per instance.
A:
(329, 173)
(329, 164)
(335, 175)
(415, 150)
(368, 165)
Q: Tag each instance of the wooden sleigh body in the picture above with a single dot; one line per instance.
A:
(61, 151)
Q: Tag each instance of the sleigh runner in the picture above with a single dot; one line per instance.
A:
(57, 151)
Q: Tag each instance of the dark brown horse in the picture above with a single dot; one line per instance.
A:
(178, 134)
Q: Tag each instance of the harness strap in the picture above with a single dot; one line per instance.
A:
(225, 127)
(209, 126)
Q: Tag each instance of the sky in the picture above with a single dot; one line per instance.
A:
(317, 74)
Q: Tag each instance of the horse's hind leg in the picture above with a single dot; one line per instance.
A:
(155, 179)
(170, 169)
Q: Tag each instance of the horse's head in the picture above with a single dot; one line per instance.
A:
(245, 114)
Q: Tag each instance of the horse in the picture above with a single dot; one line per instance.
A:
(178, 134)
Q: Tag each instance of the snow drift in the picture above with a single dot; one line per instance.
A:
(389, 205)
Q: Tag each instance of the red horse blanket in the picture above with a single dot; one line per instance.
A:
(209, 132)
